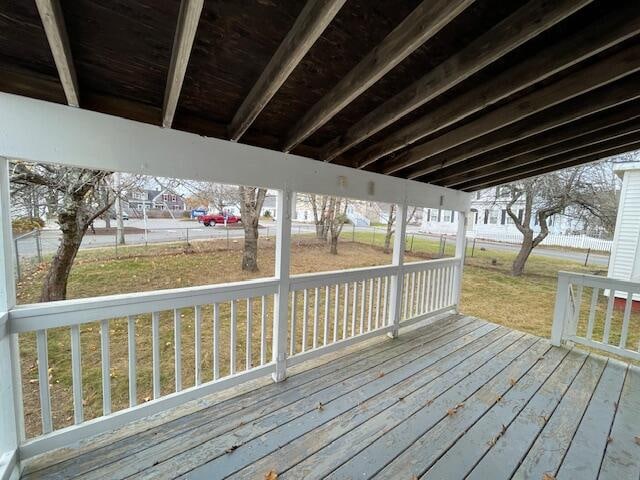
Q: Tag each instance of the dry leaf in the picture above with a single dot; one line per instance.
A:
(609, 439)
(414, 477)
(231, 448)
(146, 399)
(637, 439)
(548, 476)
(381, 374)
(498, 398)
(429, 402)
(271, 475)
(513, 381)
(452, 411)
(320, 407)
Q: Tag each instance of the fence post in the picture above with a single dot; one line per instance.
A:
(461, 247)
(353, 232)
(11, 419)
(560, 310)
(281, 303)
(15, 249)
(586, 260)
(39, 245)
(395, 296)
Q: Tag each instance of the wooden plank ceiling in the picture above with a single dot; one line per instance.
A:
(461, 93)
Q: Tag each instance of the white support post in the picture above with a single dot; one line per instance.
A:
(281, 310)
(11, 430)
(560, 310)
(461, 247)
(397, 280)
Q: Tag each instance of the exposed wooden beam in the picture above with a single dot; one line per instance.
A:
(625, 91)
(585, 80)
(555, 164)
(54, 27)
(581, 128)
(312, 21)
(526, 23)
(618, 26)
(604, 137)
(188, 19)
(420, 25)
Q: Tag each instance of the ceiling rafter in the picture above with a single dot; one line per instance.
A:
(53, 21)
(188, 19)
(615, 28)
(589, 78)
(424, 22)
(312, 21)
(526, 23)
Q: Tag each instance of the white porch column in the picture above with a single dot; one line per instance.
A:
(461, 248)
(10, 412)
(281, 305)
(397, 260)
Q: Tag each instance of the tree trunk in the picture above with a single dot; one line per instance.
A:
(517, 269)
(250, 254)
(118, 206)
(107, 220)
(389, 234)
(73, 229)
(333, 245)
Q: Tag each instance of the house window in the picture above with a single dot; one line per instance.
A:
(139, 206)
(165, 197)
(433, 215)
(446, 216)
(173, 198)
(493, 217)
(138, 195)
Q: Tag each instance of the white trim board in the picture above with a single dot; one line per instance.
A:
(51, 133)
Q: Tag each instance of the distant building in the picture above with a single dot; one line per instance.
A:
(155, 202)
(489, 217)
(625, 253)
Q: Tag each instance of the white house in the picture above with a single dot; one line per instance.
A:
(625, 255)
(489, 218)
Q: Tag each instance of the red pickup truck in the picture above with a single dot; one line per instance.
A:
(212, 219)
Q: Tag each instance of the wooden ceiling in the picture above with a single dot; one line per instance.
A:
(461, 93)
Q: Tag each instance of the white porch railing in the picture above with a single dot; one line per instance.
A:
(223, 332)
(598, 312)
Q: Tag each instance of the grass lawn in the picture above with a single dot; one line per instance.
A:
(489, 292)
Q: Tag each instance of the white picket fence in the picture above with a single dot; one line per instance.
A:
(556, 240)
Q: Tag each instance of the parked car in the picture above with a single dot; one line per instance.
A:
(212, 219)
(125, 216)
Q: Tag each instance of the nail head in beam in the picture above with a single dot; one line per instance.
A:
(426, 20)
(188, 20)
(526, 23)
(54, 27)
(312, 21)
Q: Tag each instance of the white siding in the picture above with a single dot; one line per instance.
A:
(625, 257)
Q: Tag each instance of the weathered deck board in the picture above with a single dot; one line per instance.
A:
(458, 398)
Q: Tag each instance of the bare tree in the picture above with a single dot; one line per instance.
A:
(319, 205)
(251, 200)
(82, 199)
(391, 218)
(336, 216)
(542, 197)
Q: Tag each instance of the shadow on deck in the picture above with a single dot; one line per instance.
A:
(458, 398)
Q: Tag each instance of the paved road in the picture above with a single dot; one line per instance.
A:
(169, 230)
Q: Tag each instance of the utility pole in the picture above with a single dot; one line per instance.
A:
(119, 224)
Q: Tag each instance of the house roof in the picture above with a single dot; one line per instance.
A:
(460, 93)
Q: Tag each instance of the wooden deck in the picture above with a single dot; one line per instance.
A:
(461, 398)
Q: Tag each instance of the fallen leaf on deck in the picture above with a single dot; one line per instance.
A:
(637, 439)
(320, 407)
(231, 448)
(548, 476)
(381, 374)
(271, 475)
(452, 411)
(513, 381)
(609, 439)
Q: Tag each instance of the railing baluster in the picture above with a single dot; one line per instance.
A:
(354, 309)
(436, 302)
(405, 296)
(625, 320)
(412, 287)
(325, 336)
(363, 305)
(131, 346)
(76, 373)
(305, 318)
(294, 307)
(425, 297)
(592, 312)
(263, 330)
(198, 343)
(345, 313)
(233, 338)
(608, 316)
(177, 348)
(316, 312)
(43, 381)
(370, 312)
(385, 302)
(249, 335)
(216, 341)
(106, 367)
(419, 291)
(155, 345)
(336, 307)
(378, 290)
